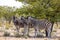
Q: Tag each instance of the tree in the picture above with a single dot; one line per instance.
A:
(6, 12)
(44, 8)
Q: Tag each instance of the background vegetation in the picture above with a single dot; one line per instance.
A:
(40, 9)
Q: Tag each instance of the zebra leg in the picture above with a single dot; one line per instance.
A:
(49, 32)
(36, 31)
(17, 29)
(46, 33)
(26, 31)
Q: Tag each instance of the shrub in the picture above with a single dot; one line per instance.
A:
(6, 34)
(17, 34)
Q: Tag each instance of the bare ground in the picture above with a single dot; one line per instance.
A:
(13, 38)
(55, 36)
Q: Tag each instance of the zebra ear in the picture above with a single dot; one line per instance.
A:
(13, 17)
(22, 17)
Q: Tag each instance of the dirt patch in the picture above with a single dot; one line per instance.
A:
(13, 38)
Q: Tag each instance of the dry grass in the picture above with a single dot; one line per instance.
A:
(55, 33)
(13, 38)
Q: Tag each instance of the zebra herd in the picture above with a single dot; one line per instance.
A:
(29, 21)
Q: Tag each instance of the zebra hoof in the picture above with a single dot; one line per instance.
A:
(48, 36)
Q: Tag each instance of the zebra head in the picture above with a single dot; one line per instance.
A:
(24, 20)
(30, 19)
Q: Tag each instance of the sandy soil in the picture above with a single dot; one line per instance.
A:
(13, 38)
(55, 36)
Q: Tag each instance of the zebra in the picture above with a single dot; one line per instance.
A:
(18, 23)
(21, 22)
(26, 28)
(41, 24)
